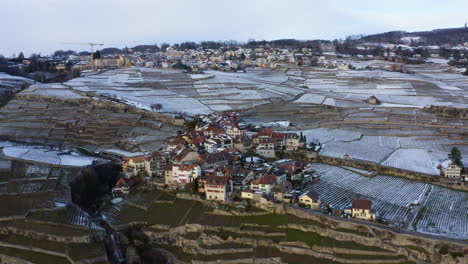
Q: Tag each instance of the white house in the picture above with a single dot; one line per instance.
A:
(183, 173)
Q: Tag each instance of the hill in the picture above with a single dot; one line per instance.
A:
(451, 36)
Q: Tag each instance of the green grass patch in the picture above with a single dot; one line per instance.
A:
(314, 239)
(368, 257)
(266, 229)
(29, 242)
(300, 259)
(292, 219)
(81, 251)
(34, 257)
(178, 213)
(356, 232)
(164, 196)
(227, 246)
(46, 228)
(129, 213)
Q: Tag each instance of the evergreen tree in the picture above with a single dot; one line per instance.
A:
(455, 156)
(21, 56)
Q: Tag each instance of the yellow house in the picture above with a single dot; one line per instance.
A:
(310, 200)
(133, 166)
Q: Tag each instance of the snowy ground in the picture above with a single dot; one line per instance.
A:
(408, 153)
(45, 155)
(443, 211)
(183, 93)
(429, 86)
(13, 81)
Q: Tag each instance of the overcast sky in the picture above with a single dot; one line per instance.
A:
(44, 25)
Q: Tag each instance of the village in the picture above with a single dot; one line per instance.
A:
(223, 160)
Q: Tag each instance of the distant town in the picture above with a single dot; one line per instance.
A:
(400, 48)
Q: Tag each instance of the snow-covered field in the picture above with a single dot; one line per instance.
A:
(407, 153)
(419, 160)
(394, 89)
(443, 211)
(47, 156)
(13, 81)
(178, 92)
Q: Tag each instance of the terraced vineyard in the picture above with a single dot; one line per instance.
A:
(72, 124)
(443, 211)
(231, 237)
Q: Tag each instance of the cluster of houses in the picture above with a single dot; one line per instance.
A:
(222, 160)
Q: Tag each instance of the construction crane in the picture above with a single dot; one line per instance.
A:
(92, 48)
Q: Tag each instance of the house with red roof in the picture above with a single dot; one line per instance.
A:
(362, 209)
(264, 184)
(216, 188)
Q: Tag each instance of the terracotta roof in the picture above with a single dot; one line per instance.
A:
(137, 159)
(362, 204)
(184, 167)
(181, 154)
(265, 179)
(155, 153)
(217, 180)
(230, 150)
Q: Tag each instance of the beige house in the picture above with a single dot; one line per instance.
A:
(216, 188)
(362, 209)
(451, 170)
(235, 132)
(310, 200)
(132, 166)
(266, 148)
(291, 142)
(264, 184)
(252, 195)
